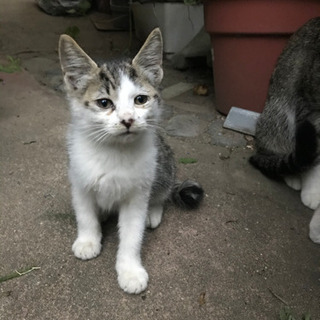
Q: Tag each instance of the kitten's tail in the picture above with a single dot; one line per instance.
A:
(275, 165)
(188, 194)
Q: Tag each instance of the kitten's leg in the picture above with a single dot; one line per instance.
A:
(293, 182)
(314, 231)
(132, 276)
(310, 194)
(154, 216)
(88, 242)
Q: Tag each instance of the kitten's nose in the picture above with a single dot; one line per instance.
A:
(127, 123)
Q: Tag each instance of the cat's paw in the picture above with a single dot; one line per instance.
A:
(293, 182)
(133, 279)
(314, 227)
(86, 249)
(154, 217)
(310, 199)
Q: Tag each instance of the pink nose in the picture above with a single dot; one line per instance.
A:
(127, 123)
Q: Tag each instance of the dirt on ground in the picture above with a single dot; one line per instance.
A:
(244, 254)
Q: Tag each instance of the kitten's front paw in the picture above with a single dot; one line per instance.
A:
(293, 182)
(310, 199)
(86, 248)
(314, 231)
(133, 279)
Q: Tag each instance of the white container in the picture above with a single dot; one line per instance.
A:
(178, 22)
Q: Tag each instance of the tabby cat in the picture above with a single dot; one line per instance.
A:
(118, 160)
(287, 133)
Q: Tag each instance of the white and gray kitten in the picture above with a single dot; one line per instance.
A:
(118, 160)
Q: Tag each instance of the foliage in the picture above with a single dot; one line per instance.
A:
(286, 314)
(14, 65)
(72, 31)
(187, 160)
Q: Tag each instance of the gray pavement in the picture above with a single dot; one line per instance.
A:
(244, 254)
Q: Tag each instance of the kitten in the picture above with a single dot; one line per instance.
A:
(118, 160)
(287, 133)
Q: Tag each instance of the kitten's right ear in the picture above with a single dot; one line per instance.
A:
(76, 65)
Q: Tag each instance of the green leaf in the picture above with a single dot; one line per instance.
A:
(285, 314)
(14, 65)
(307, 316)
(187, 160)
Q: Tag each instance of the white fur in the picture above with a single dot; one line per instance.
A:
(293, 182)
(154, 217)
(309, 184)
(314, 232)
(310, 194)
(113, 173)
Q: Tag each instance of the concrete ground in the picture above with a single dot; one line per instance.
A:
(244, 254)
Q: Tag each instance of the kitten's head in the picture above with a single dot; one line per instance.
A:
(117, 101)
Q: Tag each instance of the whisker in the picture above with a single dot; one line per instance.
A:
(95, 133)
(101, 138)
(155, 126)
(94, 136)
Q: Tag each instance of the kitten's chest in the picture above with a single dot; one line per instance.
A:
(121, 174)
(115, 174)
(122, 180)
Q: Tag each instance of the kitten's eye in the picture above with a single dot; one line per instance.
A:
(141, 99)
(105, 103)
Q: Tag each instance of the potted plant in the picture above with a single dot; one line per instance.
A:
(247, 36)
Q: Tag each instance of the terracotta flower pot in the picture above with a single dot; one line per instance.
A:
(247, 37)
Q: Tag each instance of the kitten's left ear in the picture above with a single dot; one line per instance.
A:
(76, 65)
(149, 58)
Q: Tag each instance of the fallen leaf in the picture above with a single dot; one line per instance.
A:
(202, 299)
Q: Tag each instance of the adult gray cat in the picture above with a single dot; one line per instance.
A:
(287, 133)
(118, 160)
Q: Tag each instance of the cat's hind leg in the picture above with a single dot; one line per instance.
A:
(314, 227)
(310, 191)
(293, 182)
(88, 243)
(154, 216)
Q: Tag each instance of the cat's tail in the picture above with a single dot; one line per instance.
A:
(188, 194)
(275, 165)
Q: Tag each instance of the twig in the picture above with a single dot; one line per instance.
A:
(27, 271)
(17, 274)
(278, 297)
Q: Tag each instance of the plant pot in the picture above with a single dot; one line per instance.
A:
(247, 37)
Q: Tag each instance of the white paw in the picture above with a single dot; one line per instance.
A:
(310, 199)
(86, 248)
(154, 217)
(314, 227)
(153, 222)
(133, 279)
(315, 235)
(293, 182)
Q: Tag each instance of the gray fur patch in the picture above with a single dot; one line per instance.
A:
(292, 106)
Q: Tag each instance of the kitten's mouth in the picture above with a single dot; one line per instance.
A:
(128, 132)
